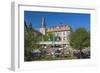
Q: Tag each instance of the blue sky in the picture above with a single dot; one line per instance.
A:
(75, 20)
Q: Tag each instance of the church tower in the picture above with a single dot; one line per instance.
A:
(43, 26)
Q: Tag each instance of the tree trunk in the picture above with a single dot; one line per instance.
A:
(80, 53)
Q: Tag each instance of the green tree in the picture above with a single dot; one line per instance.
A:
(45, 37)
(31, 39)
(80, 39)
(51, 36)
(48, 37)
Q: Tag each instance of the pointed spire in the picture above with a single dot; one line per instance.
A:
(25, 24)
(43, 23)
(30, 25)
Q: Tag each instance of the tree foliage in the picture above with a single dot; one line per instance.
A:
(51, 36)
(80, 39)
(48, 37)
(31, 38)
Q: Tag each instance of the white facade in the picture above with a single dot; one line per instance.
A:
(64, 35)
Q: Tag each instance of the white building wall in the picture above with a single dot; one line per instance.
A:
(64, 35)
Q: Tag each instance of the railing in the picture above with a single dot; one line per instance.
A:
(50, 42)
